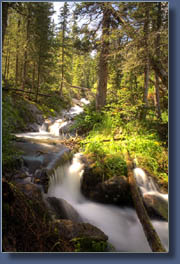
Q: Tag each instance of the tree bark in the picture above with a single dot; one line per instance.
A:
(157, 49)
(5, 6)
(33, 78)
(103, 61)
(146, 68)
(17, 54)
(38, 80)
(62, 68)
(157, 96)
(6, 59)
(158, 68)
(25, 52)
(150, 233)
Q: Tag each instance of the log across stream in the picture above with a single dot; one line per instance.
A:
(121, 225)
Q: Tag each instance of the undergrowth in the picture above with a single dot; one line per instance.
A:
(111, 135)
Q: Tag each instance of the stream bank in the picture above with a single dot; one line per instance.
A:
(47, 165)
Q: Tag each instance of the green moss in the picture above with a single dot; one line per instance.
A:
(89, 245)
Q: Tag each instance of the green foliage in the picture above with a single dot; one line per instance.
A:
(115, 165)
(89, 245)
(53, 105)
(111, 138)
(8, 116)
(88, 119)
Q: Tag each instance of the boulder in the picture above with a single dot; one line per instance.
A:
(156, 205)
(38, 118)
(34, 127)
(69, 230)
(31, 190)
(91, 177)
(113, 191)
(62, 209)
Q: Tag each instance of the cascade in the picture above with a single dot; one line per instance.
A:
(120, 224)
(147, 185)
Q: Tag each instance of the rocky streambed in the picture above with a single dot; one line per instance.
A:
(58, 188)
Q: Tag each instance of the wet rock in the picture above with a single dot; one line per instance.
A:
(90, 179)
(63, 210)
(70, 230)
(66, 128)
(32, 163)
(113, 191)
(156, 205)
(41, 177)
(33, 127)
(38, 118)
(31, 190)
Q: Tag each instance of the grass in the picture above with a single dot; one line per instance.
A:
(109, 140)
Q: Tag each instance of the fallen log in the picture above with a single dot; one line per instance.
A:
(106, 140)
(150, 233)
(27, 92)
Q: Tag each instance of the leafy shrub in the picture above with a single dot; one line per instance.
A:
(88, 119)
(115, 165)
(50, 106)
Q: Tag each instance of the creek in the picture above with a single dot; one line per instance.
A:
(120, 224)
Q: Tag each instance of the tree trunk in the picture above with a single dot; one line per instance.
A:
(38, 81)
(150, 232)
(158, 68)
(146, 88)
(8, 63)
(157, 96)
(33, 79)
(17, 54)
(5, 6)
(103, 61)
(25, 52)
(6, 59)
(146, 68)
(157, 48)
(62, 68)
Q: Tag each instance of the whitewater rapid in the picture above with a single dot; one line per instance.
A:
(120, 224)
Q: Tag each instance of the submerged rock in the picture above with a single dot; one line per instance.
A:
(156, 206)
(63, 210)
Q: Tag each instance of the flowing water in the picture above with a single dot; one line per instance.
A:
(120, 224)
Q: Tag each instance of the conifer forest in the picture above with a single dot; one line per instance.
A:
(85, 126)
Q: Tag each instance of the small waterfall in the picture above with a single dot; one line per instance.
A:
(120, 224)
(147, 185)
(65, 182)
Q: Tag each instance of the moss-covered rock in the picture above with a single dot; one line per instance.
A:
(112, 191)
(89, 245)
(26, 222)
(69, 230)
